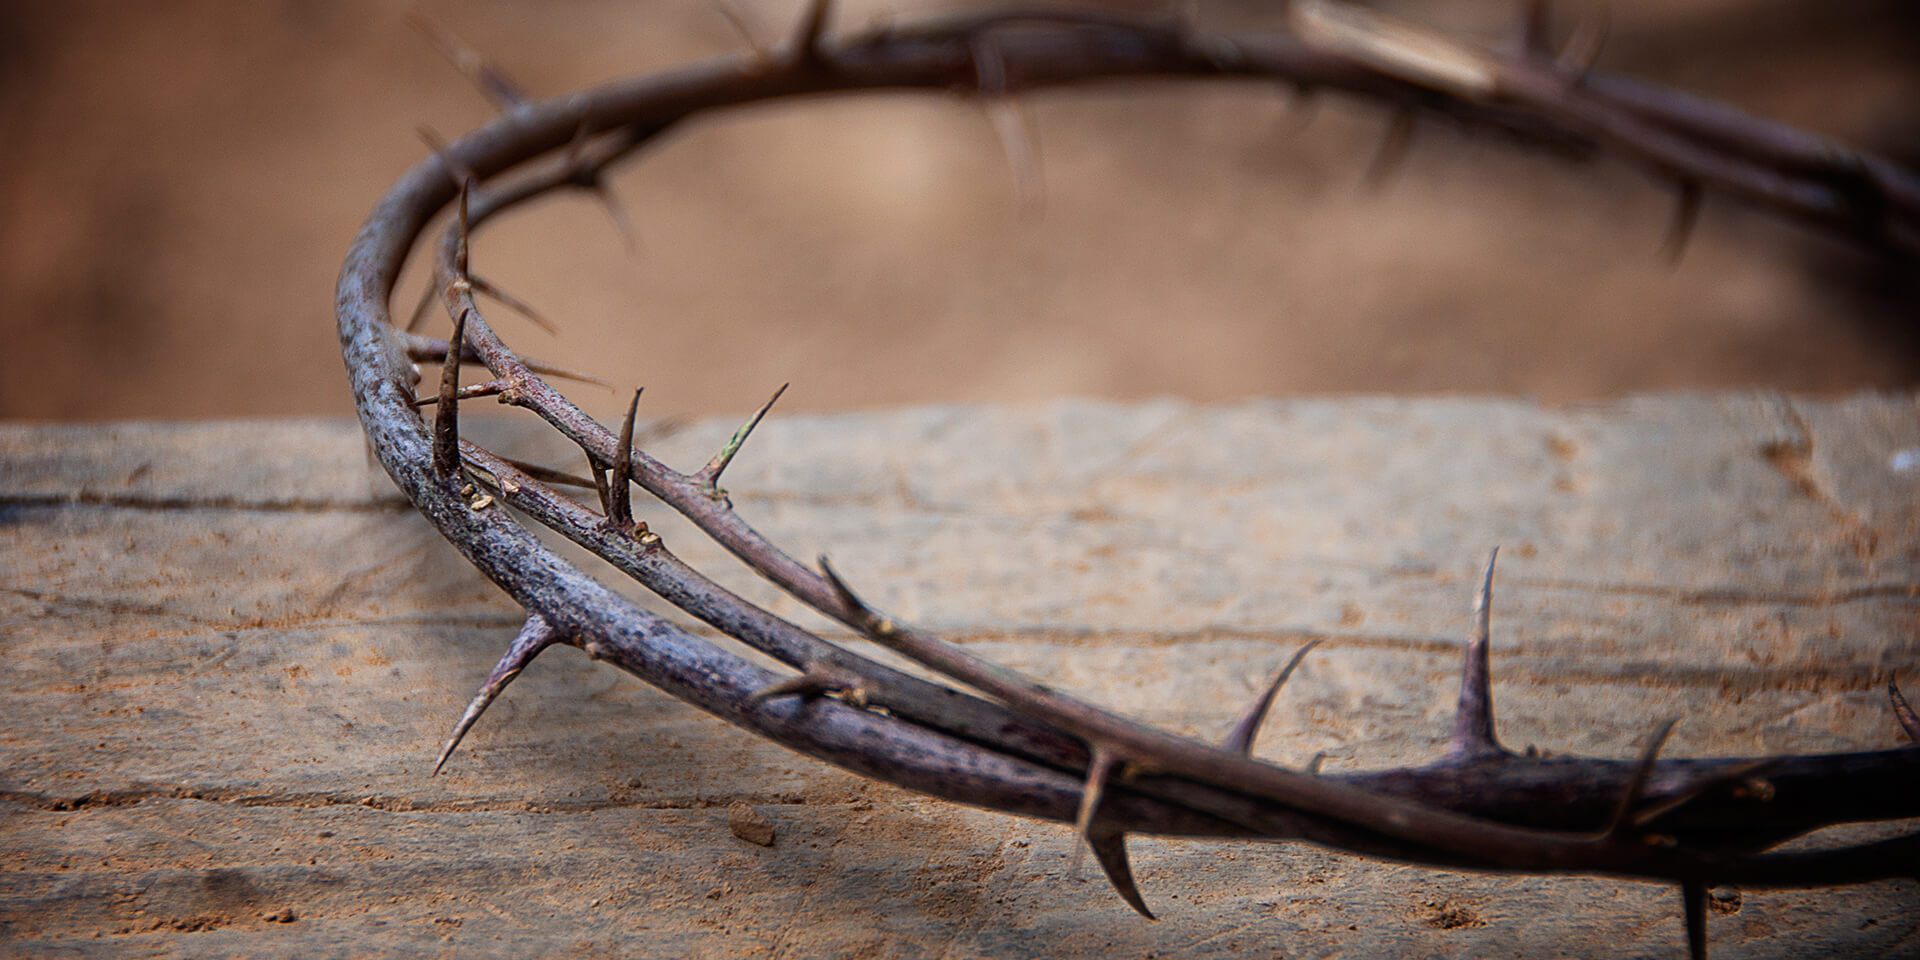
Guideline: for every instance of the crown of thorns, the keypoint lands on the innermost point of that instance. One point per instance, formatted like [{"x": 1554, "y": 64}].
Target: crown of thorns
[{"x": 1009, "y": 743}]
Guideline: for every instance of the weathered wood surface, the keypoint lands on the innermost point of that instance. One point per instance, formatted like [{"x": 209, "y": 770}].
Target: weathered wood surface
[{"x": 230, "y": 653}]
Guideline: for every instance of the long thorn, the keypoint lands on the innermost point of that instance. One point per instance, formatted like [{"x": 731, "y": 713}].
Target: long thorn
[
  {"x": 488, "y": 389},
  {"x": 461, "y": 252},
  {"x": 1393, "y": 149},
  {"x": 446, "y": 419},
  {"x": 1009, "y": 126},
  {"x": 1095, "y": 787},
  {"x": 1693, "y": 897},
  {"x": 1583, "y": 48},
  {"x": 811, "y": 31},
  {"x": 600, "y": 485},
  {"x": 1638, "y": 783},
  {"x": 518, "y": 305},
  {"x": 419, "y": 314},
  {"x": 1240, "y": 739},
  {"x": 1536, "y": 28},
  {"x": 548, "y": 474},
  {"x": 1686, "y": 213},
  {"x": 1903, "y": 711},
  {"x": 710, "y": 474},
  {"x": 619, "y": 506},
  {"x": 1473, "y": 734},
  {"x": 1110, "y": 851},
  {"x": 494, "y": 85},
  {"x": 746, "y": 24},
  {"x": 536, "y": 636},
  {"x": 457, "y": 171}
]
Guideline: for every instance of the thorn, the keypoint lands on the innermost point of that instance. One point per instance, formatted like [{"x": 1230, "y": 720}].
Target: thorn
[
  {"x": 1313, "y": 765},
  {"x": 1693, "y": 894},
  {"x": 1638, "y": 782},
  {"x": 1240, "y": 739},
  {"x": 503, "y": 93},
  {"x": 1686, "y": 212},
  {"x": 1536, "y": 28},
  {"x": 461, "y": 252},
  {"x": 1110, "y": 851},
  {"x": 811, "y": 30},
  {"x": 457, "y": 171},
  {"x": 600, "y": 485},
  {"x": 710, "y": 474},
  {"x": 536, "y": 636},
  {"x": 1473, "y": 734},
  {"x": 446, "y": 419},
  {"x": 419, "y": 314},
  {"x": 1098, "y": 772},
  {"x": 549, "y": 370},
  {"x": 548, "y": 474},
  {"x": 747, "y": 25},
  {"x": 1301, "y": 108},
  {"x": 619, "y": 506},
  {"x": 1583, "y": 48},
  {"x": 488, "y": 389},
  {"x": 1393, "y": 149},
  {"x": 591, "y": 177},
  {"x": 806, "y": 685},
  {"x": 1904, "y": 712},
  {"x": 1010, "y": 126},
  {"x": 815, "y": 679},
  {"x": 856, "y": 612},
  {"x": 514, "y": 303}
]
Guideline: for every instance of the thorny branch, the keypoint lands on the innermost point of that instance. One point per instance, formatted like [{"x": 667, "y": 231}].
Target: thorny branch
[{"x": 1023, "y": 747}]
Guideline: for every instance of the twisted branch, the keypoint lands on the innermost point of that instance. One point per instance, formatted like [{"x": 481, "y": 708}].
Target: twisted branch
[{"x": 1024, "y": 748}]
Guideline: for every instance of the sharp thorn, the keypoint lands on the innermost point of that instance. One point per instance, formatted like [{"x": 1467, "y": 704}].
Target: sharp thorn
[
  {"x": 619, "y": 504},
  {"x": 1393, "y": 149},
  {"x": 1473, "y": 733},
  {"x": 1903, "y": 711},
  {"x": 806, "y": 685},
  {"x": 1583, "y": 48},
  {"x": 536, "y": 636},
  {"x": 1099, "y": 770},
  {"x": 488, "y": 389},
  {"x": 514, "y": 303},
  {"x": 710, "y": 474},
  {"x": 1686, "y": 213},
  {"x": 549, "y": 370},
  {"x": 548, "y": 474},
  {"x": 420, "y": 309},
  {"x": 1110, "y": 851},
  {"x": 1009, "y": 126},
  {"x": 1536, "y": 28},
  {"x": 1637, "y": 784},
  {"x": 854, "y": 610},
  {"x": 461, "y": 252},
  {"x": 622, "y": 221},
  {"x": 808, "y": 36},
  {"x": 503, "y": 93},
  {"x": 446, "y": 418},
  {"x": 746, "y": 24},
  {"x": 1693, "y": 895},
  {"x": 600, "y": 485},
  {"x": 457, "y": 171},
  {"x": 1240, "y": 739}
]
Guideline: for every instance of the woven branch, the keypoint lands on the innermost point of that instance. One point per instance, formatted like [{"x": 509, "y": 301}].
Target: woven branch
[{"x": 1012, "y": 744}]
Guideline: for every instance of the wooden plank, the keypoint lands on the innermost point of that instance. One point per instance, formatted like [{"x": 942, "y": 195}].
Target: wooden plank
[{"x": 231, "y": 653}]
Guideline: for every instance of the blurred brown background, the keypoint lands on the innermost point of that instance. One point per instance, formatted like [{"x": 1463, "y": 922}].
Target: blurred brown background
[{"x": 179, "y": 181}]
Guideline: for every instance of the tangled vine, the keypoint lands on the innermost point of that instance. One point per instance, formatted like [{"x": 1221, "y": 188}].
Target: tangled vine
[{"x": 1006, "y": 742}]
